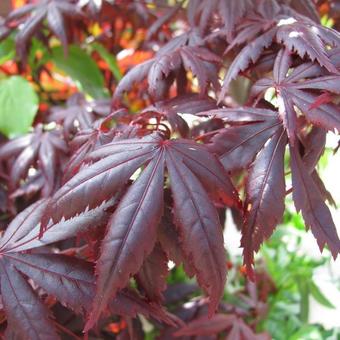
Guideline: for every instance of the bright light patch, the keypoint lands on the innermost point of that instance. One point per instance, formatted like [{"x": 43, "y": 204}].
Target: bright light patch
[
  {"x": 270, "y": 96},
  {"x": 287, "y": 21},
  {"x": 50, "y": 126},
  {"x": 295, "y": 34},
  {"x": 171, "y": 264},
  {"x": 32, "y": 172},
  {"x": 189, "y": 304},
  {"x": 136, "y": 174},
  {"x": 125, "y": 53}
]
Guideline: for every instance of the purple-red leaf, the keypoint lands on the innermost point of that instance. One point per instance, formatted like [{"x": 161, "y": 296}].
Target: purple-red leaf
[
  {"x": 265, "y": 189},
  {"x": 102, "y": 180},
  {"x": 236, "y": 328},
  {"x": 152, "y": 275},
  {"x": 42, "y": 150},
  {"x": 296, "y": 92},
  {"x": 131, "y": 235},
  {"x": 250, "y": 53},
  {"x": 70, "y": 280},
  {"x": 199, "y": 228},
  {"x": 26, "y": 314},
  {"x": 305, "y": 38},
  {"x": 308, "y": 200},
  {"x": 24, "y": 232},
  {"x": 33, "y": 16},
  {"x": 183, "y": 52},
  {"x": 129, "y": 303},
  {"x": 207, "y": 326},
  {"x": 207, "y": 169},
  {"x": 238, "y": 144}
]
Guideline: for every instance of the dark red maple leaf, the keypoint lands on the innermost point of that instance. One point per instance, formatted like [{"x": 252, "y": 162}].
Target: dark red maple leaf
[
  {"x": 249, "y": 130},
  {"x": 265, "y": 185},
  {"x": 162, "y": 20},
  {"x": 126, "y": 194},
  {"x": 88, "y": 140},
  {"x": 279, "y": 24},
  {"x": 129, "y": 303},
  {"x": 305, "y": 7},
  {"x": 79, "y": 113},
  {"x": 186, "y": 52},
  {"x": 230, "y": 12},
  {"x": 43, "y": 150},
  {"x": 308, "y": 199},
  {"x": 258, "y": 135},
  {"x": 70, "y": 280},
  {"x": 152, "y": 275},
  {"x": 237, "y": 329},
  {"x": 32, "y": 16},
  {"x": 194, "y": 174},
  {"x": 295, "y": 92}
]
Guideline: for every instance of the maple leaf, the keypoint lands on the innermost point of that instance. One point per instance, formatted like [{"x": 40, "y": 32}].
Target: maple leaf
[
  {"x": 265, "y": 185},
  {"x": 236, "y": 328},
  {"x": 313, "y": 147},
  {"x": 152, "y": 275},
  {"x": 42, "y": 150},
  {"x": 295, "y": 90},
  {"x": 70, "y": 280},
  {"x": 82, "y": 144},
  {"x": 129, "y": 302},
  {"x": 259, "y": 136},
  {"x": 184, "y": 51},
  {"x": 297, "y": 33},
  {"x": 79, "y": 113},
  {"x": 162, "y": 20},
  {"x": 169, "y": 239},
  {"x": 194, "y": 174},
  {"x": 199, "y": 13},
  {"x": 178, "y": 292},
  {"x": 86, "y": 141},
  {"x": 249, "y": 130},
  {"x": 26, "y": 315},
  {"x": 307, "y": 8},
  {"x": 33, "y": 16},
  {"x": 308, "y": 199}
]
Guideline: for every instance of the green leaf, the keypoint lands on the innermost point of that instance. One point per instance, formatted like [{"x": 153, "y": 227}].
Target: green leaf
[
  {"x": 303, "y": 287},
  {"x": 82, "y": 69},
  {"x": 110, "y": 60},
  {"x": 18, "y": 106},
  {"x": 319, "y": 297},
  {"x": 7, "y": 50},
  {"x": 309, "y": 332}
]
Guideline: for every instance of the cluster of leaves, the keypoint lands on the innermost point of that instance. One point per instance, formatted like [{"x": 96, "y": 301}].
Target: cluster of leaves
[{"x": 99, "y": 200}]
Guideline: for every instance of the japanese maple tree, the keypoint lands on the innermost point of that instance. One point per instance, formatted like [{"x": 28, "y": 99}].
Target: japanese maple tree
[{"x": 177, "y": 112}]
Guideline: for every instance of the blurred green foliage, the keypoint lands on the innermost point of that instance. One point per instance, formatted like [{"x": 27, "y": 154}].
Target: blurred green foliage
[{"x": 292, "y": 272}]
